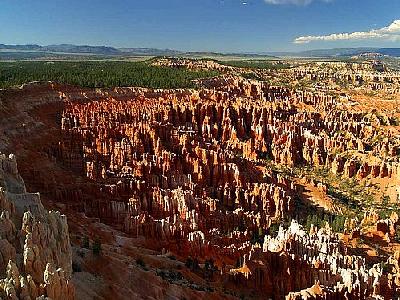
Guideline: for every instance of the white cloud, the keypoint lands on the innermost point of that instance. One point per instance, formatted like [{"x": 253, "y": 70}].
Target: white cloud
[
  {"x": 391, "y": 32},
  {"x": 296, "y": 2}
]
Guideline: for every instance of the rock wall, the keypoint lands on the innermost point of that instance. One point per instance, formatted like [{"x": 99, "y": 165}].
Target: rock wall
[{"x": 35, "y": 252}]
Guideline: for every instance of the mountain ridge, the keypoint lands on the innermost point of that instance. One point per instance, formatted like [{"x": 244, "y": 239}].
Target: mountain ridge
[{"x": 113, "y": 51}]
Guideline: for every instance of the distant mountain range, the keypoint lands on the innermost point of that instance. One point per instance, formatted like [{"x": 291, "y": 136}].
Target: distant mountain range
[
  {"x": 111, "y": 51},
  {"x": 85, "y": 49},
  {"x": 340, "y": 52}
]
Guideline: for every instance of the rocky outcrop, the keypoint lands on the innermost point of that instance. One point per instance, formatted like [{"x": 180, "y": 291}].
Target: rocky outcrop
[
  {"x": 335, "y": 273},
  {"x": 35, "y": 252},
  {"x": 191, "y": 171}
]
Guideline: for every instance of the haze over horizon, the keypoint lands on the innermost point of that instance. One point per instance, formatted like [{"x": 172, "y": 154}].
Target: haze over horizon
[{"x": 209, "y": 25}]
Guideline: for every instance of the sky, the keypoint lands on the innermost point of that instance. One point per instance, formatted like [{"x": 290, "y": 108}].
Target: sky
[{"x": 203, "y": 25}]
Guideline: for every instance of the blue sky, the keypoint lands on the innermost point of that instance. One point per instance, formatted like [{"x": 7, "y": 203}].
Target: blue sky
[{"x": 202, "y": 25}]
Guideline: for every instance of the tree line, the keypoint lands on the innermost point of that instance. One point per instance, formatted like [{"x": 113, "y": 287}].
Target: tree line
[{"x": 99, "y": 74}]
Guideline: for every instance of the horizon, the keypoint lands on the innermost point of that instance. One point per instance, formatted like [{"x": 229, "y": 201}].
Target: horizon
[
  {"x": 200, "y": 51},
  {"x": 223, "y": 26}
]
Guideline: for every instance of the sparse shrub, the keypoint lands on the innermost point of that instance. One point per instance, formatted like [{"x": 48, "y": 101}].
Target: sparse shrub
[
  {"x": 209, "y": 267},
  {"x": 169, "y": 275},
  {"x": 140, "y": 262},
  {"x": 96, "y": 248},
  {"x": 238, "y": 263},
  {"x": 257, "y": 236},
  {"x": 397, "y": 236},
  {"x": 80, "y": 253},
  {"x": 385, "y": 200},
  {"x": 338, "y": 223},
  {"x": 385, "y": 267},
  {"x": 85, "y": 243},
  {"x": 192, "y": 264},
  {"x": 273, "y": 229},
  {"x": 316, "y": 220},
  {"x": 76, "y": 268}
]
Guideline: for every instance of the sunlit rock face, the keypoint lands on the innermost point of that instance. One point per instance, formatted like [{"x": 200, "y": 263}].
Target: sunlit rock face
[
  {"x": 36, "y": 256},
  {"x": 179, "y": 165},
  {"x": 190, "y": 171},
  {"x": 203, "y": 174}
]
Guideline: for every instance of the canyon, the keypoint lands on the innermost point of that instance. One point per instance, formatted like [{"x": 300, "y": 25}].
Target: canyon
[{"x": 206, "y": 192}]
